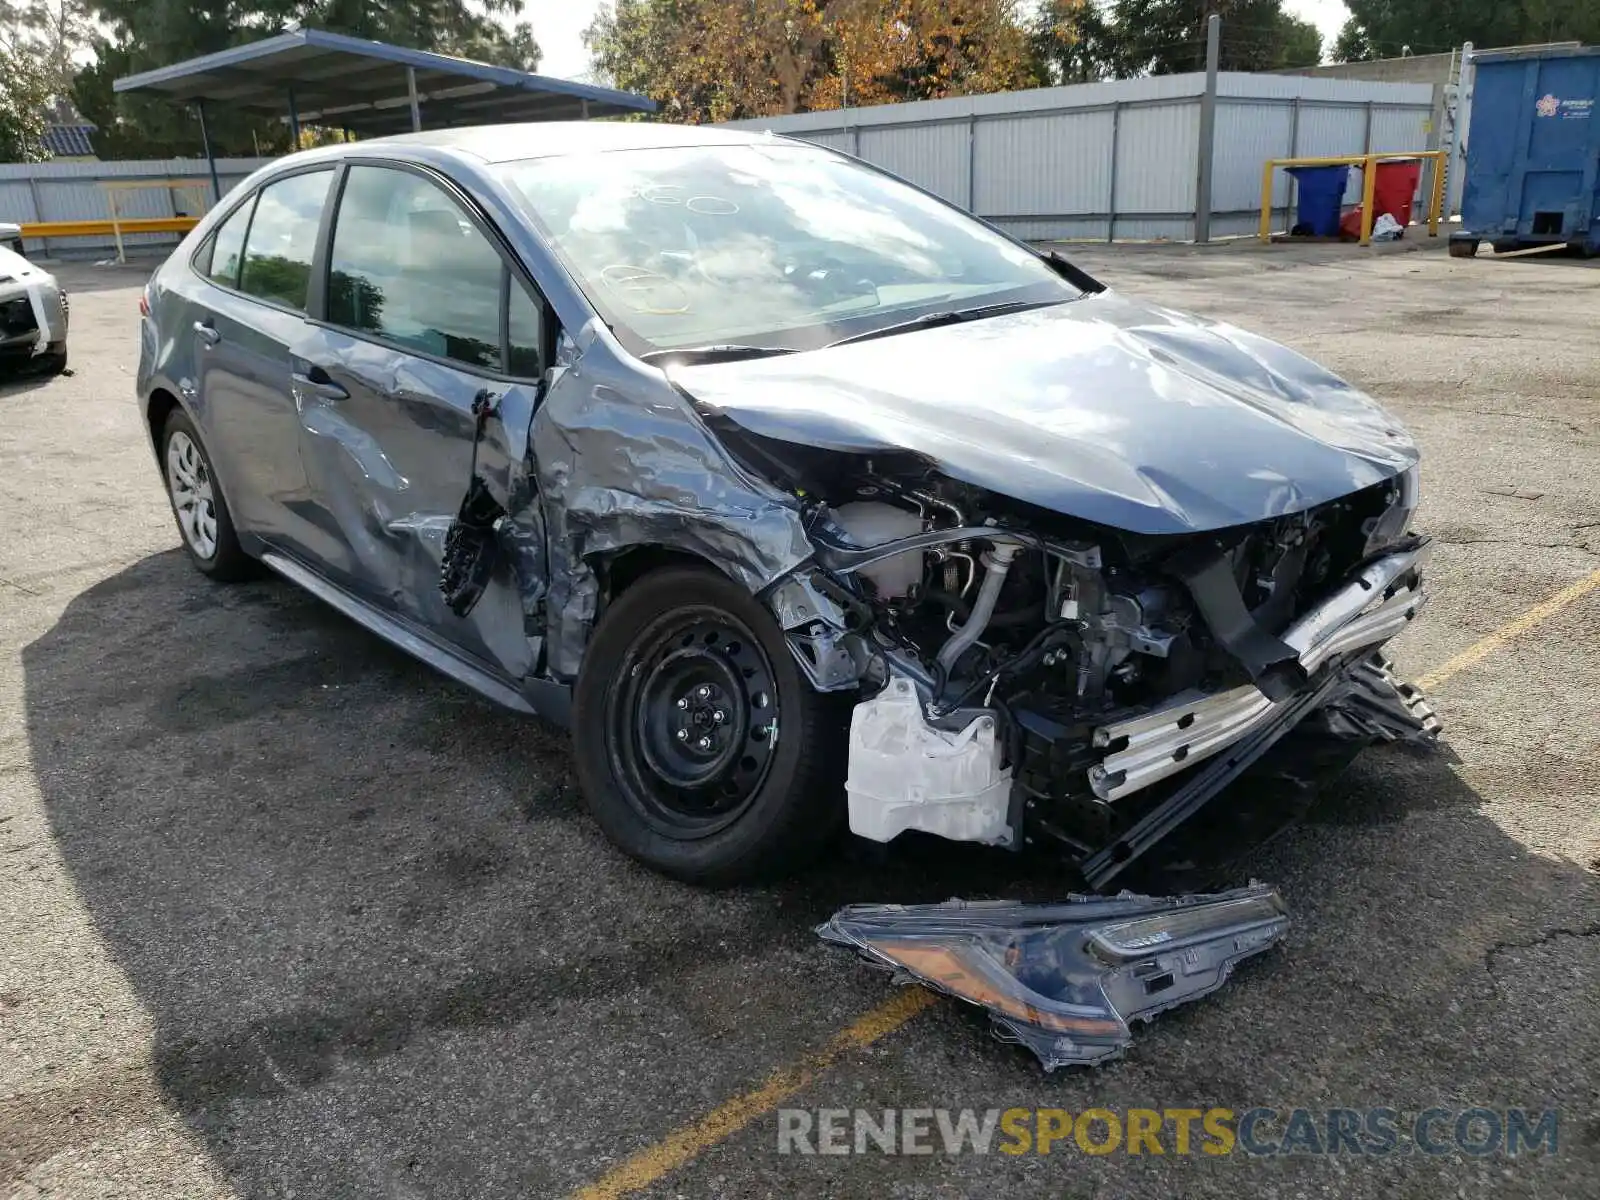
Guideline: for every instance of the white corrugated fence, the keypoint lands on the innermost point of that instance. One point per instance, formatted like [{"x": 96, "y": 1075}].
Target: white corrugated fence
[{"x": 1119, "y": 160}]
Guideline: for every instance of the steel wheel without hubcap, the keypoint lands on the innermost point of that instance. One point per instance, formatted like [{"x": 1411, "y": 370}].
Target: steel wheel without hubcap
[
  {"x": 189, "y": 483},
  {"x": 692, "y": 722}
]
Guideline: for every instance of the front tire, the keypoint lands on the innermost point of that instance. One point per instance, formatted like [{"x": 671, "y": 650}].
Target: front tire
[
  {"x": 701, "y": 749},
  {"x": 53, "y": 361},
  {"x": 197, "y": 503}
]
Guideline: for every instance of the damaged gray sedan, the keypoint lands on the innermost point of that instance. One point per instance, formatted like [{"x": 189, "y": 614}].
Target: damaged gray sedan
[{"x": 799, "y": 494}]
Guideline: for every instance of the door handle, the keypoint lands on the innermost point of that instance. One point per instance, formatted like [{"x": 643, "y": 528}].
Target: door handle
[
  {"x": 324, "y": 389},
  {"x": 208, "y": 332}
]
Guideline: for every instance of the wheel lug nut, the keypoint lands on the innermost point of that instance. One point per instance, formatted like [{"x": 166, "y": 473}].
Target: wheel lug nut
[
  {"x": 705, "y": 692},
  {"x": 705, "y": 743},
  {"x": 718, "y": 716},
  {"x": 683, "y": 735},
  {"x": 683, "y": 702}
]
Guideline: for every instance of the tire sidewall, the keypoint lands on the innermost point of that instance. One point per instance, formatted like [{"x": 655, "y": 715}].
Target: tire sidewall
[{"x": 779, "y": 810}]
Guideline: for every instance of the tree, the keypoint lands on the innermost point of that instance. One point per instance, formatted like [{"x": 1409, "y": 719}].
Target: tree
[
  {"x": 54, "y": 31},
  {"x": 1161, "y": 37},
  {"x": 1072, "y": 42},
  {"x": 1386, "y": 28},
  {"x": 959, "y": 47},
  {"x": 1353, "y": 45},
  {"x": 712, "y": 60},
  {"x": 38, "y": 39},
  {"x": 1299, "y": 43},
  {"x": 1077, "y": 40},
  {"x": 24, "y": 92}
]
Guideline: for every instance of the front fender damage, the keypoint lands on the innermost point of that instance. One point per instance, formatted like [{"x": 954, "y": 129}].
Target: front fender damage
[{"x": 617, "y": 473}]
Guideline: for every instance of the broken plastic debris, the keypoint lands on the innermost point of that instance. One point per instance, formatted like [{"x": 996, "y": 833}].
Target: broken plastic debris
[{"x": 1067, "y": 980}]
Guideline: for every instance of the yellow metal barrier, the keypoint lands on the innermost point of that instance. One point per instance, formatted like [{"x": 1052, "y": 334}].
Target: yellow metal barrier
[
  {"x": 1369, "y": 181},
  {"x": 63, "y": 229},
  {"x": 117, "y": 225},
  {"x": 200, "y": 189}
]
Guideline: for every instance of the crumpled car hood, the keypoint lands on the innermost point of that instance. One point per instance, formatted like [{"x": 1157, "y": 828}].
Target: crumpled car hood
[{"x": 1106, "y": 408}]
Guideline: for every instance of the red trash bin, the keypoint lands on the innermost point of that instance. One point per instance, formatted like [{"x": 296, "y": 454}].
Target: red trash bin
[
  {"x": 1392, "y": 193},
  {"x": 1396, "y": 188}
]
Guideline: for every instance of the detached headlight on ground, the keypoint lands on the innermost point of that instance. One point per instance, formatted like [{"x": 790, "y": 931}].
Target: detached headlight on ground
[{"x": 1067, "y": 980}]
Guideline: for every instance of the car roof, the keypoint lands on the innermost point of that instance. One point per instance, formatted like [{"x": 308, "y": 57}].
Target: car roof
[{"x": 554, "y": 139}]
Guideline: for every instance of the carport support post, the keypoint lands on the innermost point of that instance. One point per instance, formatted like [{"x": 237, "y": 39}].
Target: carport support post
[
  {"x": 416, "y": 107},
  {"x": 211, "y": 158},
  {"x": 1208, "y": 131},
  {"x": 294, "y": 120}
]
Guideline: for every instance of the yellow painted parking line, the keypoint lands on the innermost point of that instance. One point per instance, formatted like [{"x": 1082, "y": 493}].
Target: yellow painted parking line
[
  {"x": 660, "y": 1159},
  {"x": 682, "y": 1145},
  {"x": 1511, "y": 630}
]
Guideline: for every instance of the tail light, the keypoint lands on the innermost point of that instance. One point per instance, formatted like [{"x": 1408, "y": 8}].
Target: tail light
[{"x": 144, "y": 304}]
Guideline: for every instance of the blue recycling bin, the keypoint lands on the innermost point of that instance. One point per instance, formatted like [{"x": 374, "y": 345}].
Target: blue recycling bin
[{"x": 1321, "y": 198}]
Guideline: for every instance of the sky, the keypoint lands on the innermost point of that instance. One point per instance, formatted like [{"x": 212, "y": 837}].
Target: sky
[
  {"x": 1328, "y": 16},
  {"x": 559, "y": 26}
]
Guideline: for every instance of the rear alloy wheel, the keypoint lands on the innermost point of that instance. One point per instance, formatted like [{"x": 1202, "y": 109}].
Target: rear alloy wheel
[
  {"x": 702, "y": 751},
  {"x": 189, "y": 482},
  {"x": 197, "y": 503}
]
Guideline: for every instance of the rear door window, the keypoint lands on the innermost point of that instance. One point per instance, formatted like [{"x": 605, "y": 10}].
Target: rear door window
[
  {"x": 283, "y": 239},
  {"x": 407, "y": 265}
]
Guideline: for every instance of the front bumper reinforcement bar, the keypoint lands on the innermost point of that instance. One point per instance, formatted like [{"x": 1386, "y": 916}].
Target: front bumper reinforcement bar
[
  {"x": 1367, "y": 611},
  {"x": 1104, "y": 865}
]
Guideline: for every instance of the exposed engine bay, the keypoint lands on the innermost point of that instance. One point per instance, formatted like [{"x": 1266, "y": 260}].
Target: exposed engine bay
[{"x": 1030, "y": 676}]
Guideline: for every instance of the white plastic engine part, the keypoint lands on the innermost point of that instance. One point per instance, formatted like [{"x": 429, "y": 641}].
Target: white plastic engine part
[
  {"x": 905, "y": 774},
  {"x": 870, "y": 523}
]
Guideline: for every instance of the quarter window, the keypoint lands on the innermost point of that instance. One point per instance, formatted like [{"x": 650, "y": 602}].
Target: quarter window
[
  {"x": 525, "y": 333},
  {"x": 227, "y": 246},
  {"x": 283, "y": 239},
  {"x": 409, "y": 266}
]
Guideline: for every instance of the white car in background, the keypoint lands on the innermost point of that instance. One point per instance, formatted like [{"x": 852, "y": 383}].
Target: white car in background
[
  {"x": 33, "y": 318},
  {"x": 10, "y": 237}
]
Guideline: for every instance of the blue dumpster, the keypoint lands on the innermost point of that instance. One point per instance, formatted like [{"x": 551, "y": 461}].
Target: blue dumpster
[
  {"x": 1321, "y": 196},
  {"x": 1533, "y": 152}
]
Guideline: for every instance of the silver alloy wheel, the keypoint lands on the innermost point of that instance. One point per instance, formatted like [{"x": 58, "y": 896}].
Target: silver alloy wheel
[{"x": 190, "y": 485}]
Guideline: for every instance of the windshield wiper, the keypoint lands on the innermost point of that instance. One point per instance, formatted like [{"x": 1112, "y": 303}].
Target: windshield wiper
[
  {"x": 711, "y": 354},
  {"x": 945, "y": 316}
]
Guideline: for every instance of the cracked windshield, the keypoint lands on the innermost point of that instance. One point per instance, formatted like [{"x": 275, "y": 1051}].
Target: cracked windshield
[{"x": 783, "y": 246}]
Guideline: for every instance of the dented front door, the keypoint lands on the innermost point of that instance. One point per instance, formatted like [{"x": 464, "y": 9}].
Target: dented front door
[
  {"x": 414, "y": 334},
  {"x": 389, "y": 460}
]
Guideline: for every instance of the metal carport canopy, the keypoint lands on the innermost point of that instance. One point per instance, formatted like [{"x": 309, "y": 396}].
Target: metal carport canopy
[{"x": 373, "y": 88}]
